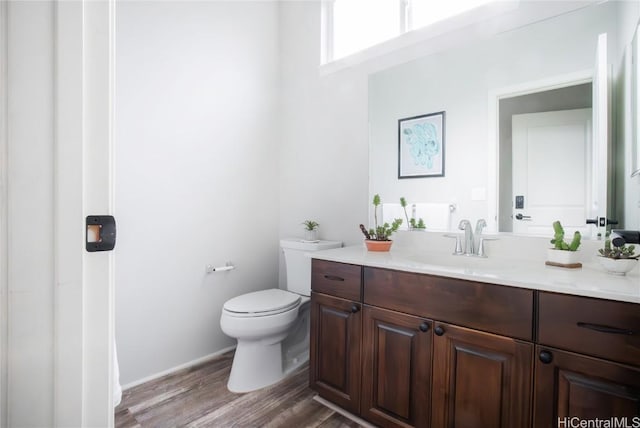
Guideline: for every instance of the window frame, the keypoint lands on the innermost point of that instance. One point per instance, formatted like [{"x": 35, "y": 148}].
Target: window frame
[{"x": 408, "y": 35}]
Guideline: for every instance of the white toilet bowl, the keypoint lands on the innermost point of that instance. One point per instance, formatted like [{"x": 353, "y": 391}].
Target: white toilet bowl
[
  {"x": 272, "y": 326},
  {"x": 258, "y": 359}
]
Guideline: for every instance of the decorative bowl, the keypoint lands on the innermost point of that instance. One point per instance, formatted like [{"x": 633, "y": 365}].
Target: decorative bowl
[
  {"x": 617, "y": 266},
  {"x": 373, "y": 245}
]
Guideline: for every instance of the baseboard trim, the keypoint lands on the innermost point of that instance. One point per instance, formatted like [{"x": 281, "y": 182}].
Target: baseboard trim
[
  {"x": 343, "y": 412},
  {"x": 179, "y": 367}
]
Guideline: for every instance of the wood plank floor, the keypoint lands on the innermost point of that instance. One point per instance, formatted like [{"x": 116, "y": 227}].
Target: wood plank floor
[{"x": 198, "y": 397}]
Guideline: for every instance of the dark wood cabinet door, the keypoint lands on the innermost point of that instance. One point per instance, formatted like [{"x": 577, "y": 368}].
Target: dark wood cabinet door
[
  {"x": 336, "y": 335},
  {"x": 396, "y": 368},
  {"x": 569, "y": 385},
  {"x": 480, "y": 379}
]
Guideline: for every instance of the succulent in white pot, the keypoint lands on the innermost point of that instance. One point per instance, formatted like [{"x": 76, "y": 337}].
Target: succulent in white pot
[
  {"x": 564, "y": 253},
  {"x": 310, "y": 230},
  {"x": 617, "y": 260}
]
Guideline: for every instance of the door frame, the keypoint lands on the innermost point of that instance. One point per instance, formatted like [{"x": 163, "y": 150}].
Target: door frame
[
  {"x": 493, "y": 152},
  {"x": 83, "y": 299},
  {"x": 3, "y": 213}
]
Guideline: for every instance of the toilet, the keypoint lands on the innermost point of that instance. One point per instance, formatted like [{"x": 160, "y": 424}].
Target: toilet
[{"x": 272, "y": 326}]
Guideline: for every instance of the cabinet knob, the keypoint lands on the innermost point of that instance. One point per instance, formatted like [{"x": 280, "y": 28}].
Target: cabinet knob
[
  {"x": 546, "y": 357},
  {"x": 355, "y": 308},
  {"x": 424, "y": 326},
  {"x": 439, "y": 330}
]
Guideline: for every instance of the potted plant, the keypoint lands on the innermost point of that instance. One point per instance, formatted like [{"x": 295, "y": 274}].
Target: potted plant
[
  {"x": 617, "y": 260},
  {"x": 377, "y": 239},
  {"x": 310, "y": 230},
  {"x": 412, "y": 224},
  {"x": 563, "y": 253}
]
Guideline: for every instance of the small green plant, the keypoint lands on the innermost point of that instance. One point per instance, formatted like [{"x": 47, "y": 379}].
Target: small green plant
[
  {"x": 310, "y": 224},
  {"x": 413, "y": 224},
  {"x": 380, "y": 232},
  {"x": 558, "y": 238},
  {"x": 624, "y": 252}
]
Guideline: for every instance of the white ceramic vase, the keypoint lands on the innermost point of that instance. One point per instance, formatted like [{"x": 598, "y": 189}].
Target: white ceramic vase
[
  {"x": 563, "y": 257},
  {"x": 311, "y": 235}
]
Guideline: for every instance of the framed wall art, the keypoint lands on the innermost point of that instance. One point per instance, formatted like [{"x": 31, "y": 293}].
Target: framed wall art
[{"x": 421, "y": 143}]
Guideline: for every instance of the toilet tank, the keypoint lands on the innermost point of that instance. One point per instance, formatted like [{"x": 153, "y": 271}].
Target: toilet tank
[{"x": 298, "y": 262}]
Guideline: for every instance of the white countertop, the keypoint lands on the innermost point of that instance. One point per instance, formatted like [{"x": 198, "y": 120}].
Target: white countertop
[{"x": 590, "y": 280}]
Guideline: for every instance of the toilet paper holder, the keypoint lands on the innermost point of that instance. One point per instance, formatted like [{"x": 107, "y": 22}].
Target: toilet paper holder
[{"x": 212, "y": 268}]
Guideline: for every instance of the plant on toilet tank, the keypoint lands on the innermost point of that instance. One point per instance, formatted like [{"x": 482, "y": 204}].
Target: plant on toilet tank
[
  {"x": 377, "y": 238},
  {"x": 310, "y": 230}
]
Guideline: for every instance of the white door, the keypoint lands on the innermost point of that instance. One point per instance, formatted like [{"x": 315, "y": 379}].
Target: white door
[
  {"x": 551, "y": 164},
  {"x": 57, "y": 322}
]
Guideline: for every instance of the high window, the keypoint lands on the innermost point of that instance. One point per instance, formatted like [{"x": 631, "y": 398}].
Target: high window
[{"x": 351, "y": 26}]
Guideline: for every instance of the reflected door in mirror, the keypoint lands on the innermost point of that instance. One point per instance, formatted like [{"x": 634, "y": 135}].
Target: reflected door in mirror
[{"x": 551, "y": 169}]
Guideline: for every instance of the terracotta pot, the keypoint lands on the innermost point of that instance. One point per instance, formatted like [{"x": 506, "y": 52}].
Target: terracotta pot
[{"x": 373, "y": 245}]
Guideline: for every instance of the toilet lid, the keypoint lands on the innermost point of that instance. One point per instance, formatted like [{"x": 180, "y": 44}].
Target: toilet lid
[{"x": 273, "y": 300}]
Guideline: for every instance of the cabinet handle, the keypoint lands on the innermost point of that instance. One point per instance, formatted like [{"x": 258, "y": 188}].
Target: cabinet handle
[
  {"x": 606, "y": 329},
  {"x": 439, "y": 331},
  {"x": 333, "y": 278},
  {"x": 546, "y": 357},
  {"x": 355, "y": 308},
  {"x": 424, "y": 326}
]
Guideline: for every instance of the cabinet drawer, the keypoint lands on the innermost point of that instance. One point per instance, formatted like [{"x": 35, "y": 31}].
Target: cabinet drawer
[
  {"x": 494, "y": 308},
  {"x": 602, "y": 328},
  {"x": 337, "y": 279}
]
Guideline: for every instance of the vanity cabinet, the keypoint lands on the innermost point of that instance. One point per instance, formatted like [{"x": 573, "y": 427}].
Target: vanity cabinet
[
  {"x": 480, "y": 379},
  {"x": 570, "y": 385},
  {"x": 336, "y": 333},
  {"x": 588, "y": 359},
  {"x": 403, "y": 349},
  {"x": 433, "y": 352},
  {"x": 396, "y": 368}
]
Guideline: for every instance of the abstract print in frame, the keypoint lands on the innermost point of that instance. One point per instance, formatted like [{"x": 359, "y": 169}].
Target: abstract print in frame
[{"x": 421, "y": 146}]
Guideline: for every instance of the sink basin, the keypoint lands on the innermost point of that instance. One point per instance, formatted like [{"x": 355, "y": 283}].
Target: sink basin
[{"x": 469, "y": 264}]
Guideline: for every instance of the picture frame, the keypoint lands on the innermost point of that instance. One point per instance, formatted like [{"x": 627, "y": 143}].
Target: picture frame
[{"x": 421, "y": 146}]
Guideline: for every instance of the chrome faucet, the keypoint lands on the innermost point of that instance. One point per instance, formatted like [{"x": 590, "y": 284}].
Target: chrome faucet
[
  {"x": 473, "y": 243},
  {"x": 468, "y": 237}
]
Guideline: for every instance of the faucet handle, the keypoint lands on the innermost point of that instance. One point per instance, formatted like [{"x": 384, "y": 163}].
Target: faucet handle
[
  {"x": 458, "y": 249},
  {"x": 480, "y": 252}
]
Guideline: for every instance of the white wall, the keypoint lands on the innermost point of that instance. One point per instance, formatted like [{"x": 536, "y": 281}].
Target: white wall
[
  {"x": 459, "y": 82},
  {"x": 196, "y": 173},
  {"x": 324, "y": 142}
]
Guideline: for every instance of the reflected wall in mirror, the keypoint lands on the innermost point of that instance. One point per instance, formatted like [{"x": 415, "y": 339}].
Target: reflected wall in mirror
[{"x": 460, "y": 81}]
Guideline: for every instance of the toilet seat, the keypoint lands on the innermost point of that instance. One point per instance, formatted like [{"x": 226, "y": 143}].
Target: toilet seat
[{"x": 262, "y": 303}]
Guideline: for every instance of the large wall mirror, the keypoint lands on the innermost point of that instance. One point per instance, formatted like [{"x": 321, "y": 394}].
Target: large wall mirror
[{"x": 521, "y": 146}]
